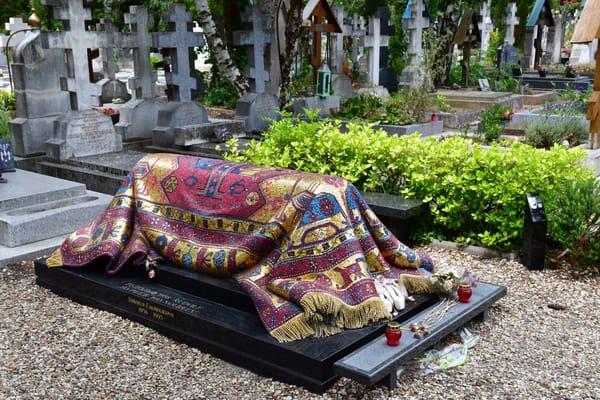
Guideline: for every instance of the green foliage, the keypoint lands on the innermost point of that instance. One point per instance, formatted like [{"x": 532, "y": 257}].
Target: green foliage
[
  {"x": 547, "y": 133},
  {"x": 476, "y": 195},
  {"x": 220, "y": 92},
  {"x": 7, "y": 109},
  {"x": 574, "y": 220},
  {"x": 492, "y": 121},
  {"x": 508, "y": 84}
]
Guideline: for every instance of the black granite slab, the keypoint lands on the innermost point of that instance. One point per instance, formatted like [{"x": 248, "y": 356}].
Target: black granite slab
[
  {"x": 377, "y": 362},
  {"x": 214, "y": 315}
]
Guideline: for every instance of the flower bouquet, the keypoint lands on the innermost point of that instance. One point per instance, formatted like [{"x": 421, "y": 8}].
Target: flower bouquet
[{"x": 444, "y": 283}]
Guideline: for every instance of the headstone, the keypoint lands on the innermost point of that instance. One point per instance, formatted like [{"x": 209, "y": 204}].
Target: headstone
[
  {"x": 379, "y": 35},
  {"x": 341, "y": 85},
  {"x": 484, "y": 85},
  {"x": 467, "y": 35},
  {"x": 338, "y": 56},
  {"x": 485, "y": 26},
  {"x": 82, "y": 133},
  {"x": 76, "y": 40},
  {"x": 326, "y": 105},
  {"x": 253, "y": 108},
  {"x": 38, "y": 93},
  {"x": 508, "y": 54},
  {"x": 258, "y": 41},
  {"x": 138, "y": 118},
  {"x": 174, "y": 115},
  {"x": 510, "y": 21},
  {"x": 179, "y": 40},
  {"x": 359, "y": 30},
  {"x": 557, "y": 40},
  {"x": 536, "y": 29},
  {"x": 140, "y": 40},
  {"x": 415, "y": 19}
]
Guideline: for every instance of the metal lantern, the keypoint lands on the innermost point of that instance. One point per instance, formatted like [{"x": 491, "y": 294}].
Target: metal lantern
[{"x": 324, "y": 81}]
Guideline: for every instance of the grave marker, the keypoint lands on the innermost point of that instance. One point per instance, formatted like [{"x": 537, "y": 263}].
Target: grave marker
[
  {"x": 173, "y": 115},
  {"x": 178, "y": 41},
  {"x": 258, "y": 41},
  {"x": 485, "y": 26},
  {"x": 540, "y": 21},
  {"x": 82, "y": 133},
  {"x": 75, "y": 40},
  {"x": 140, "y": 40},
  {"x": 510, "y": 21},
  {"x": 416, "y": 18},
  {"x": 377, "y": 39}
]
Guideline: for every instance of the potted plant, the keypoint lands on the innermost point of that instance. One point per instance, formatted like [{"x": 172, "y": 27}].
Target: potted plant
[
  {"x": 515, "y": 69},
  {"x": 542, "y": 71}
]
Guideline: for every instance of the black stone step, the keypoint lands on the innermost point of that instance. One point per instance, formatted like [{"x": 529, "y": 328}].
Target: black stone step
[{"x": 215, "y": 316}]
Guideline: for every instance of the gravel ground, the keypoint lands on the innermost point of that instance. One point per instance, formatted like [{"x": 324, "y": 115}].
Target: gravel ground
[{"x": 541, "y": 342}]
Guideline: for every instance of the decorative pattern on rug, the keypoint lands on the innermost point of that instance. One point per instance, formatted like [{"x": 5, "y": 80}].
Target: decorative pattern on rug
[{"x": 304, "y": 246}]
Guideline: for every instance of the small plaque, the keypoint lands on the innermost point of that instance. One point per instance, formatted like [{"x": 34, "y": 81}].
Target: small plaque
[{"x": 7, "y": 157}]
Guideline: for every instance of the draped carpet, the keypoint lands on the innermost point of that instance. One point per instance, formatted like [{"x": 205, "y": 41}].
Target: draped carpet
[{"x": 304, "y": 246}]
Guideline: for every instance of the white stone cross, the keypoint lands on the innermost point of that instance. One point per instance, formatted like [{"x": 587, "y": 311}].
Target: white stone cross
[
  {"x": 179, "y": 40},
  {"x": 415, "y": 21},
  {"x": 374, "y": 42},
  {"x": 258, "y": 39},
  {"x": 485, "y": 26},
  {"x": 510, "y": 21}
]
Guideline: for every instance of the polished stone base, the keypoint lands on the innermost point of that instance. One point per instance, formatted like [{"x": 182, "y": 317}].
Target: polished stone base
[{"x": 214, "y": 315}]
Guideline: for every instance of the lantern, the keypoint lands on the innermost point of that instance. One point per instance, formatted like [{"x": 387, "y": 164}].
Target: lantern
[{"x": 323, "y": 81}]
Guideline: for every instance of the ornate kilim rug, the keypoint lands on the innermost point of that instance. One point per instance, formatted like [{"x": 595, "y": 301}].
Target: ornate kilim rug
[{"x": 304, "y": 246}]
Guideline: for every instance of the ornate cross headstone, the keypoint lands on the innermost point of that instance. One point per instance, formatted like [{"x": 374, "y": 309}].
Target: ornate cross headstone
[
  {"x": 322, "y": 20},
  {"x": 377, "y": 43},
  {"x": 510, "y": 21},
  {"x": 415, "y": 19},
  {"x": 75, "y": 39},
  {"x": 485, "y": 26},
  {"x": 467, "y": 34},
  {"x": 140, "y": 40},
  {"x": 107, "y": 53},
  {"x": 179, "y": 41},
  {"x": 258, "y": 40}
]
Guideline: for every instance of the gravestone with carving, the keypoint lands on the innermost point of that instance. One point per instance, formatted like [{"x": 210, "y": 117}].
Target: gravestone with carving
[{"x": 82, "y": 133}]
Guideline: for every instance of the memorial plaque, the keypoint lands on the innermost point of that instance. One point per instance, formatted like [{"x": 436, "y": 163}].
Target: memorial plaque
[
  {"x": 78, "y": 134},
  {"x": 7, "y": 158}
]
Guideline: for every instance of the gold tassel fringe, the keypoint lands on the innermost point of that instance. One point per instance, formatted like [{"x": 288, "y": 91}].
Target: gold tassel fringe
[
  {"x": 416, "y": 283},
  {"x": 55, "y": 259}
]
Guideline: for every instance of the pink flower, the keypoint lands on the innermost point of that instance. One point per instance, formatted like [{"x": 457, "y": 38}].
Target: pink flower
[{"x": 506, "y": 114}]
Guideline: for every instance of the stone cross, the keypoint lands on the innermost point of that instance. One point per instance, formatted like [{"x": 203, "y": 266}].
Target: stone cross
[
  {"x": 107, "y": 53},
  {"x": 485, "y": 26},
  {"x": 339, "y": 55},
  {"x": 75, "y": 40},
  {"x": 359, "y": 30},
  {"x": 258, "y": 40},
  {"x": 13, "y": 25},
  {"x": 415, "y": 21},
  {"x": 179, "y": 41},
  {"x": 140, "y": 40},
  {"x": 375, "y": 41},
  {"x": 510, "y": 21}
]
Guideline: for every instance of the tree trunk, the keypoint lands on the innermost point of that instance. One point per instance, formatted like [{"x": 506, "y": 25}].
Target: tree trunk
[
  {"x": 218, "y": 48},
  {"x": 293, "y": 26}
]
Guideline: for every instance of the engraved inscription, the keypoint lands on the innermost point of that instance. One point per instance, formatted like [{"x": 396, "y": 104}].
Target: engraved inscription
[{"x": 150, "y": 309}]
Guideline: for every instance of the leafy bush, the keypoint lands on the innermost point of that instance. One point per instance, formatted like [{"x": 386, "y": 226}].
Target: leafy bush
[
  {"x": 493, "y": 119},
  {"x": 7, "y": 108},
  {"x": 545, "y": 133},
  {"x": 476, "y": 195},
  {"x": 574, "y": 220}
]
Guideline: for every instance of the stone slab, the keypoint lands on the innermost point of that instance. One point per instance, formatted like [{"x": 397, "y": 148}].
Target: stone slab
[
  {"x": 377, "y": 362},
  {"x": 214, "y": 315},
  {"x": 26, "y": 188}
]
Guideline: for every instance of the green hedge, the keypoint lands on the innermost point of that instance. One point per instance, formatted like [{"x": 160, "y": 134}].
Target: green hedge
[{"x": 476, "y": 194}]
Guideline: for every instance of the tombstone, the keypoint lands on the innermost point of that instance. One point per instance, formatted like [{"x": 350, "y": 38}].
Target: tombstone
[
  {"x": 179, "y": 40},
  {"x": 510, "y": 21},
  {"x": 137, "y": 118},
  {"x": 174, "y": 115},
  {"x": 338, "y": 56},
  {"x": 76, "y": 40},
  {"x": 415, "y": 19},
  {"x": 359, "y": 31},
  {"x": 253, "y": 108},
  {"x": 82, "y": 133},
  {"x": 377, "y": 43},
  {"x": 484, "y": 85},
  {"x": 110, "y": 87},
  {"x": 140, "y": 40},
  {"x": 341, "y": 85},
  {"x": 541, "y": 17},
  {"x": 556, "y": 40},
  {"x": 507, "y": 55},
  {"x": 467, "y": 35},
  {"x": 258, "y": 41},
  {"x": 39, "y": 96},
  {"x": 485, "y": 25}
]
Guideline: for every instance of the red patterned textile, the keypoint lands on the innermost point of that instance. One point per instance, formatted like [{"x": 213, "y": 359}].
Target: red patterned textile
[{"x": 304, "y": 246}]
